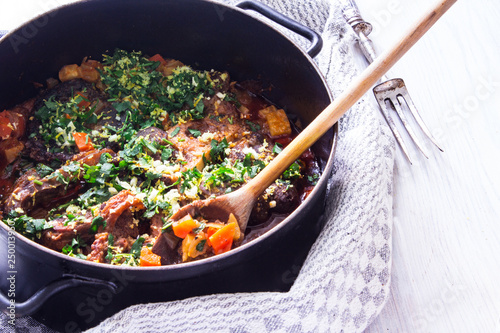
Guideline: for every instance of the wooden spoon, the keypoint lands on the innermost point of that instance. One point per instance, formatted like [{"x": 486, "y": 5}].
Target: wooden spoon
[{"x": 241, "y": 201}]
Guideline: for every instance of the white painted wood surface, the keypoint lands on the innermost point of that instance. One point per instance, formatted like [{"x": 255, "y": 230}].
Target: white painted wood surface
[{"x": 446, "y": 248}]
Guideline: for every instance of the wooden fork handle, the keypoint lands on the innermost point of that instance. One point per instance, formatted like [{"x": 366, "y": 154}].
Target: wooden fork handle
[{"x": 357, "y": 88}]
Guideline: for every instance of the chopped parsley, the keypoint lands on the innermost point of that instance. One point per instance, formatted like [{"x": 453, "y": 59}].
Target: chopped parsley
[
  {"x": 253, "y": 126},
  {"x": 73, "y": 249},
  {"x": 131, "y": 76},
  {"x": 292, "y": 172},
  {"x": 96, "y": 223},
  {"x": 43, "y": 170},
  {"x": 190, "y": 180},
  {"x": 59, "y": 120},
  {"x": 175, "y": 132},
  {"x": 277, "y": 148},
  {"x": 194, "y": 133},
  {"x": 28, "y": 226},
  {"x": 201, "y": 245},
  {"x": 136, "y": 247},
  {"x": 217, "y": 153}
]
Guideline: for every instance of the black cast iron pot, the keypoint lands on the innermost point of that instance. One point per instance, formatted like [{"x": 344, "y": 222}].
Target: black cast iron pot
[{"x": 70, "y": 294}]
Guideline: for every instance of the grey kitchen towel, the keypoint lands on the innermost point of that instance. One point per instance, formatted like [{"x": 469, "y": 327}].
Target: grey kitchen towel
[{"x": 344, "y": 282}]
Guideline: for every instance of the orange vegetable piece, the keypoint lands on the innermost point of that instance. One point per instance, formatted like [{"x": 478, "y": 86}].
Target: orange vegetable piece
[
  {"x": 87, "y": 71},
  {"x": 82, "y": 141},
  {"x": 213, "y": 227},
  {"x": 159, "y": 58},
  {"x": 277, "y": 121},
  {"x": 148, "y": 258},
  {"x": 184, "y": 226},
  {"x": 85, "y": 103},
  {"x": 92, "y": 157},
  {"x": 168, "y": 67},
  {"x": 222, "y": 240},
  {"x": 193, "y": 251}
]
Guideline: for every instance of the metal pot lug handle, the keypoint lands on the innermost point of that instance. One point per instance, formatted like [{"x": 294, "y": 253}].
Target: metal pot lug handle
[
  {"x": 302, "y": 30},
  {"x": 36, "y": 301}
]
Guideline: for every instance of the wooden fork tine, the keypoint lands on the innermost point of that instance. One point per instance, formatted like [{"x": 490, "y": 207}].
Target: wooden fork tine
[{"x": 416, "y": 115}]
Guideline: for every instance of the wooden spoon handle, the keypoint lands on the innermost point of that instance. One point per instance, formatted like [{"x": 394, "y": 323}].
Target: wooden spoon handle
[{"x": 332, "y": 113}]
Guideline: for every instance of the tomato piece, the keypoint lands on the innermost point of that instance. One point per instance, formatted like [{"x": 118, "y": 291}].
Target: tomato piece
[
  {"x": 82, "y": 141},
  {"x": 12, "y": 124},
  {"x": 157, "y": 57},
  {"x": 284, "y": 140},
  {"x": 148, "y": 258}
]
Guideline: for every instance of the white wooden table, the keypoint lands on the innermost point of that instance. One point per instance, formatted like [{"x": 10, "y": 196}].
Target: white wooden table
[{"x": 446, "y": 248}]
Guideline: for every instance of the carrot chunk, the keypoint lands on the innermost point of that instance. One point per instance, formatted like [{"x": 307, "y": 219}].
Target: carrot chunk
[
  {"x": 148, "y": 258},
  {"x": 82, "y": 141},
  {"x": 222, "y": 240},
  {"x": 184, "y": 226},
  {"x": 84, "y": 103}
]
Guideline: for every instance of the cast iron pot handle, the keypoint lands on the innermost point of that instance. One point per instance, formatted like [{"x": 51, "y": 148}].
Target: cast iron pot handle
[
  {"x": 35, "y": 302},
  {"x": 311, "y": 35}
]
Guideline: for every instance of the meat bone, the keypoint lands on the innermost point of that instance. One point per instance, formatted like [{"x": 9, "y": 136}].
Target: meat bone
[{"x": 241, "y": 201}]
